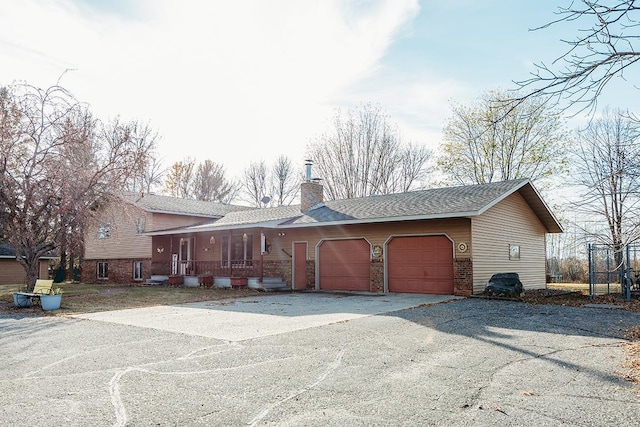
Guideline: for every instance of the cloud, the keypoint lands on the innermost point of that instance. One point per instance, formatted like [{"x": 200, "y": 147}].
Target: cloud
[{"x": 230, "y": 81}]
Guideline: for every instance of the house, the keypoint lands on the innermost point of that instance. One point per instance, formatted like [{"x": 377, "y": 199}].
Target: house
[
  {"x": 118, "y": 251},
  {"x": 440, "y": 241},
  {"x": 12, "y": 272}
]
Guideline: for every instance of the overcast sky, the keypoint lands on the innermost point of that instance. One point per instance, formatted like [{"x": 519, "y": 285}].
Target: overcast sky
[{"x": 238, "y": 81}]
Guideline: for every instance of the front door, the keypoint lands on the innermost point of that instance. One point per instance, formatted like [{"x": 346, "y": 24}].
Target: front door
[
  {"x": 185, "y": 256},
  {"x": 299, "y": 265}
]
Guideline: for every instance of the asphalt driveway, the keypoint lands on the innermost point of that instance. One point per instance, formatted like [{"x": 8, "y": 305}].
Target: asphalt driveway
[
  {"x": 271, "y": 314},
  {"x": 464, "y": 362}
]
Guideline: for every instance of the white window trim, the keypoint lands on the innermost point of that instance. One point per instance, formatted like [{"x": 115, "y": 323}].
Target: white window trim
[
  {"x": 135, "y": 263},
  {"x": 104, "y": 230},
  {"x": 98, "y": 270}
]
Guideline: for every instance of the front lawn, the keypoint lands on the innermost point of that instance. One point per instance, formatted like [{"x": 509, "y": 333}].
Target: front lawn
[{"x": 87, "y": 298}]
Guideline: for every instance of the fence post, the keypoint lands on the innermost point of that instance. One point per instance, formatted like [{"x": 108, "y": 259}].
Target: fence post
[
  {"x": 627, "y": 270},
  {"x": 591, "y": 278}
]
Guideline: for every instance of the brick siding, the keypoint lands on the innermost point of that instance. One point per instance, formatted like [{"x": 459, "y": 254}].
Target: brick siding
[
  {"x": 120, "y": 271},
  {"x": 377, "y": 275},
  {"x": 280, "y": 269},
  {"x": 462, "y": 276}
]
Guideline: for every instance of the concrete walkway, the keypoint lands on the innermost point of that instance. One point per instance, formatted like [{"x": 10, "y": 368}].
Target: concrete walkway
[{"x": 253, "y": 317}]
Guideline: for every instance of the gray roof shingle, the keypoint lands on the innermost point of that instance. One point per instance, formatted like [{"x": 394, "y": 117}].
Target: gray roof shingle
[
  {"x": 451, "y": 202},
  {"x": 7, "y": 251},
  {"x": 439, "y": 202},
  {"x": 175, "y": 205}
]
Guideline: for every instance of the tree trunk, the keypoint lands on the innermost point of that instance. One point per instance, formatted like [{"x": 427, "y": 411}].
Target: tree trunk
[
  {"x": 31, "y": 267},
  {"x": 63, "y": 254},
  {"x": 70, "y": 275}
]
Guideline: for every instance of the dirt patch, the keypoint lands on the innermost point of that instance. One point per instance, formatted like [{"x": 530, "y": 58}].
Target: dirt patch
[
  {"x": 579, "y": 299},
  {"x": 632, "y": 363}
]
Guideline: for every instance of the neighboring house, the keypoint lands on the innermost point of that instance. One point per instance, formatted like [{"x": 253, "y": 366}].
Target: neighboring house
[
  {"x": 12, "y": 272},
  {"x": 118, "y": 251},
  {"x": 440, "y": 241}
]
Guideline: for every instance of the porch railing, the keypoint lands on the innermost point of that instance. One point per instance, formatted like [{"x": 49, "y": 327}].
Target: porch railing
[{"x": 235, "y": 268}]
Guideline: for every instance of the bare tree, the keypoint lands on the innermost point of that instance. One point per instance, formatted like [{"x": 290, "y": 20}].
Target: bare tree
[
  {"x": 275, "y": 186},
  {"x": 254, "y": 180},
  {"x": 607, "y": 170},
  {"x": 603, "y": 49},
  {"x": 57, "y": 164},
  {"x": 150, "y": 177},
  {"x": 489, "y": 141},
  {"x": 179, "y": 179},
  {"x": 363, "y": 154},
  {"x": 210, "y": 183},
  {"x": 284, "y": 181},
  {"x": 204, "y": 181}
]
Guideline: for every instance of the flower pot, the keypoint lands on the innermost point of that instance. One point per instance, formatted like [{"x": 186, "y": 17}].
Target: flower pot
[
  {"x": 20, "y": 300},
  {"x": 206, "y": 280},
  {"x": 175, "y": 280},
  {"x": 50, "y": 302},
  {"x": 238, "y": 282}
]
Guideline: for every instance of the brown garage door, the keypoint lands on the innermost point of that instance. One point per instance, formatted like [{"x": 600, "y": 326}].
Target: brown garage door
[
  {"x": 345, "y": 265},
  {"x": 420, "y": 264}
]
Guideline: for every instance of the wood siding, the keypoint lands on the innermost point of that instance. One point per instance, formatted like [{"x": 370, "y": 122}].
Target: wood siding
[
  {"x": 125, "y": 242},
  {"x": 509, "y": 222},
  {"x": 162, "y": 221},
  {"x": 377, "y": 234}
]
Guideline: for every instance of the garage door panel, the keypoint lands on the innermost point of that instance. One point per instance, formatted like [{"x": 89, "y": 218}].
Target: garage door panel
[
  {"x": 345, "y": 265},
  {"x": 420, "y": 264}
]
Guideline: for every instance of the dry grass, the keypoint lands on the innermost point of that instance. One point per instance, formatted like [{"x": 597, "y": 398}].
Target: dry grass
[
  {"x": 578, "y": 298},
  {"x": 632, "y": 362},
  {"x": 86, "y": 298}
]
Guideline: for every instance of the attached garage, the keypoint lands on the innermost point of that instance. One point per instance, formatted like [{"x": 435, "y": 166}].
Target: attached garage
[
  {"x": 344, "y": 265},
  {"x": 420, "y": 264}
]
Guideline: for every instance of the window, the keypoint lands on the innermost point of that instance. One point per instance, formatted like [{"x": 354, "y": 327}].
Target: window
[
  {"x": 103, "y": 270},
  {"x": 104, "y": 230},
  {"x": 140, "y": 223},
  {"x": 514, "y": 252},
  {"x": 137, "y": 270},
  {"x": 239, "y": 249}
]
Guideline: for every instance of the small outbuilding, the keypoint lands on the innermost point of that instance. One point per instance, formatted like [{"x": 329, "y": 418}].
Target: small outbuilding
[{"x": 12, "y": 272}]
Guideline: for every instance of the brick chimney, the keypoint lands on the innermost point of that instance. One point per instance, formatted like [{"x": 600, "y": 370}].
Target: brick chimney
[{"x": 311, "y": 193}]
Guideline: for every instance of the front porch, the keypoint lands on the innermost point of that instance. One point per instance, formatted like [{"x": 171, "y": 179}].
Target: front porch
[
  {"x": 219, "y": 273},
  {"x": 251, "y": 268}
]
